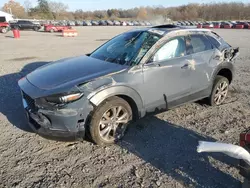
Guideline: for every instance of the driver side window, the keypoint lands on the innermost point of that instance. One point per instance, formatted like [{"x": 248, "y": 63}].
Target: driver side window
[{"x": 172, "y": 49}]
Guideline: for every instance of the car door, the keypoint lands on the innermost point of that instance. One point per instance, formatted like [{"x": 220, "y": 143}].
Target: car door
[
  {"x": 202, "y": 52},
  {"x": 22, "y": 24},
  {"x": 29, "y": 25},
  {"x": 166, "y": 75},
  {"x": 19, "y": 24},
  {"x": 26, "y": 25}
]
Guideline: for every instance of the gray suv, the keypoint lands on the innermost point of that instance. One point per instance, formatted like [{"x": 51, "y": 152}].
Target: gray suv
[{"x": 136, "y": 73}]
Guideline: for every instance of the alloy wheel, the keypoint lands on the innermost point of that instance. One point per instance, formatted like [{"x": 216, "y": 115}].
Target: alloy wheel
[
  {"x": 113, "y": 123},
  {"x": 221, "y": 93}
]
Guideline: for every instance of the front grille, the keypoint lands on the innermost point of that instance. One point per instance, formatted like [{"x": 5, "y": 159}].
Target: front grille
[{"x": 29, "y": 100}]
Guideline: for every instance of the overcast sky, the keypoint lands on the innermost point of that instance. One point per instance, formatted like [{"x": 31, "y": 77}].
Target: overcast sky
[{"x": 124, "y": 4}]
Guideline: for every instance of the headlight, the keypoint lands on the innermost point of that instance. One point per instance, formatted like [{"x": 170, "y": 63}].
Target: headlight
[{"x": 59, "y": 99}]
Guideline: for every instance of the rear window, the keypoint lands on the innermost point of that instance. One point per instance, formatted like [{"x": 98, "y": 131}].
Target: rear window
[
  {"x": 223, "y": 43},
  {"x": 2, "y": 19},
  {"x": 200, "y": 43},
  {"x": 213, "y": 41}
]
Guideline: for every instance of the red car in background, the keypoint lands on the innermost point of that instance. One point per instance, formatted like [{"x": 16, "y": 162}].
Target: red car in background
[
  {"x": 55, "y": 28},
  {"x": 243, "y": 25}
]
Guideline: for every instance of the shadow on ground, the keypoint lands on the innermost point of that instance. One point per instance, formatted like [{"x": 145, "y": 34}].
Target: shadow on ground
[
  {"x": 10, "y": 96},
  {"x": 172, "y": 149}
]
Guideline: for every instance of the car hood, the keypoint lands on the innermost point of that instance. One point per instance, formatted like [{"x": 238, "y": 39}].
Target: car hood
[{"x": 71, "y": 71}]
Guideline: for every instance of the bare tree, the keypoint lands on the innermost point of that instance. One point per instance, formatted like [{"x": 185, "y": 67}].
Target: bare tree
[
  {"x": 27, "y": 5},
  {"x": 14, "y": 8},
  {"x": 57, "y": 8}
]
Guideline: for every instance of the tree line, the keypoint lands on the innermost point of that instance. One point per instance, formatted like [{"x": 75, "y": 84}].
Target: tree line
[{"x": 47, "y": 9}]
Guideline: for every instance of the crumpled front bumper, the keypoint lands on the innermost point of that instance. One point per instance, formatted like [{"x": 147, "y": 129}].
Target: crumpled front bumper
[
  {"x": 62, "y": 124},
  {"x": 41, "y": 125}
]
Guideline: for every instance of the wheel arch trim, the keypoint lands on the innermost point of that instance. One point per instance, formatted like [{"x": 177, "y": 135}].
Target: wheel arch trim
[{"x": 100, "y": 96}]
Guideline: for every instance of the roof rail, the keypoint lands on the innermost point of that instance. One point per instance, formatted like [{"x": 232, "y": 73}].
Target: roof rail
[
  {"x": 166, "y": 26},
  {"x": 171, "y": 26}
]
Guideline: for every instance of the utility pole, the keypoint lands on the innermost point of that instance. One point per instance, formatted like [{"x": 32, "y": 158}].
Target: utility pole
[{"x": 10, "y": 10}]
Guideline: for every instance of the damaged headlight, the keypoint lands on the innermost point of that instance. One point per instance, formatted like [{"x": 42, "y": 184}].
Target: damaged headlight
[{"x": 60, "y": 99}]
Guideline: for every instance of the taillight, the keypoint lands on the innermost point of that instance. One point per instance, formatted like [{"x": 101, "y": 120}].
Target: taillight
[{"x": 244, "y": 139}]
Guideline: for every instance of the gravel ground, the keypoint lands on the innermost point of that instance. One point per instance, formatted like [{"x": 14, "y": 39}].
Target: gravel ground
[{"x": 158, "y": 151}]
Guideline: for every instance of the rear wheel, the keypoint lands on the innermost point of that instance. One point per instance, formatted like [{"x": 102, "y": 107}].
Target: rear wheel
[
  {"x": 219, "y": 91},
  {"x": 35, "y": 28},
  {"x": 109, "y": 121}
]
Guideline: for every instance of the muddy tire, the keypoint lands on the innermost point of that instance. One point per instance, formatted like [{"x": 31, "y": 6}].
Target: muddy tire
[
  {"x": 219, "y": 91},
  {"x": 109, "y": 121}
]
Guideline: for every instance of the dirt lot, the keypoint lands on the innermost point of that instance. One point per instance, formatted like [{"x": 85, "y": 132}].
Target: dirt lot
[{"x": 158, "y": 151}]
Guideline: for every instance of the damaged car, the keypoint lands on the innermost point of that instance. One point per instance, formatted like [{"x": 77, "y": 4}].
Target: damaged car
[{"x": 139, "y": 72}]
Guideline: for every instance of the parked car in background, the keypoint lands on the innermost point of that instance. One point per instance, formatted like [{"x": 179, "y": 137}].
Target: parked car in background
[
  {"x": 55, "y": 28},
  {"x": 123, "y": 23},
  {"x": 25, "y": 25},
  {"x": 103, "y": 23},
  {"x": 130, "y": 23},
  {"x": 78, "y": 23},
  {"x": 226, "y": 25},
  {"x": 94, "y": 23},
  {"x": 245, "y": 25},
  {"x": 217, "y": 25},
  {"x": 141, "y": 23},
  {"x": 147, "y": 23},
  {"x": 71, "y": 23},
  {"x": 135, "y": 23},
  {"x": 116, "y": 23},
  {"x": 109, "y": 22},
  {"x": 208, "y": 25},
  {"x": 104, "y": 91},
  {"x": 87, "y": 23}
]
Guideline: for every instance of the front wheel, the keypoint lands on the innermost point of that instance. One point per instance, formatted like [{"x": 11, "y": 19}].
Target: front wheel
[
  {"x": 109, "y": 121},
  {"x": 219, "y": 91}
]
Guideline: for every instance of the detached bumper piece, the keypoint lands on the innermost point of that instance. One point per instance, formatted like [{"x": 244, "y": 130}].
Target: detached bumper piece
[{"x": 52, "y": 124}]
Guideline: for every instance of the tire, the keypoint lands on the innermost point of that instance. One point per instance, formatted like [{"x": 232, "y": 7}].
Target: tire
[
  {"x": 52, "y": 31},
  {"x": 35, "y": 28},
  {"x": 217, "y": 87},
  {"x": 4, "y": 30},
  {"x": 97, "y": 129}
]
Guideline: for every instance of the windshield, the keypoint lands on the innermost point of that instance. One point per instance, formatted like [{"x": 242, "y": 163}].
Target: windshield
[{"x": 127, "y": 48}]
